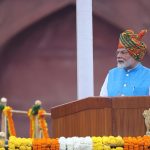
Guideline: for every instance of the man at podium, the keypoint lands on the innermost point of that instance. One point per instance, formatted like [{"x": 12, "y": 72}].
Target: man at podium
[{"x": 130, "y": 77}]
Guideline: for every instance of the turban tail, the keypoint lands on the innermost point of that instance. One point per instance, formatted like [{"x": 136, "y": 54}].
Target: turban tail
[{"x": 132, "y": 42}]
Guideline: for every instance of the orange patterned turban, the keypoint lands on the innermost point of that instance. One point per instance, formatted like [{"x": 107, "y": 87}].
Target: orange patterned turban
[{"x": 132, "y": 42}]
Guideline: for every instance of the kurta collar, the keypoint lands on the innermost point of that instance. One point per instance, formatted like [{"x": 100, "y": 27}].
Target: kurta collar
[{"x": 138, "y": 66}]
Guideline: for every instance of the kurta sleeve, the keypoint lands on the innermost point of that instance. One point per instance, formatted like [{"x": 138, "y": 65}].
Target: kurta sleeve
[{"x": 104, "y": 91}]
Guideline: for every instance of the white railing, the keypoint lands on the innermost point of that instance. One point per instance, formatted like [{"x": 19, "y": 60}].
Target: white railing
[{"x": 37, "y": 130}]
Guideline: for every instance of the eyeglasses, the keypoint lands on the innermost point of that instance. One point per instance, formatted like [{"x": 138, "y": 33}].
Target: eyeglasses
[{"x": 121, "y": 52}]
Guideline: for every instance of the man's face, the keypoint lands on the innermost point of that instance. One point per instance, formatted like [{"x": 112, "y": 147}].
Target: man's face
[{"x": 124, "y": 60}]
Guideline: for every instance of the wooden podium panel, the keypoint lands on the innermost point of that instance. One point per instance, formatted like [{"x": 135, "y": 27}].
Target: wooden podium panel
[
  {"x": 127, "y": 115},
  {"x": 86, "y": 117},
  {"x": 99, "y": 116}
]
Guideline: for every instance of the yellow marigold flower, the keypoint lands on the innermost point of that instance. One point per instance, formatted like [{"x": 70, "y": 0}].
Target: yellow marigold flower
[
  {"x": 119, "y": 141},
  {"x": 106, "y": 147},
  {"x": 119, "y": 148},
  {"x": 111, "y": 140},
  {"x": 105, "y": 140}
]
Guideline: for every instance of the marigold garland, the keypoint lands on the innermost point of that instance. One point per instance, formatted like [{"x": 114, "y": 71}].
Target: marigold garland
[
  {"x": 11, "y": 128},
  {"x": 75, "y": 143},
  {"x": 32, "y": 123},
  {"x": 45, "y": 144},
  {"x": 19, "y": 143},
  {"x": 2, "y": 145},
  {"x": 32, "y": 112},
  {"x": 136, "y": 143},
  {"x": 42, "y": 123},
  {"x": 107, "y": 142},
  {"x": 81, "y": 143},
  {"x": 97, "y": 143}
]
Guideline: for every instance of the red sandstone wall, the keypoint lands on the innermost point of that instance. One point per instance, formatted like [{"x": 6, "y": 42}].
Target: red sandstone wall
[{"x": 40, "y": 62}]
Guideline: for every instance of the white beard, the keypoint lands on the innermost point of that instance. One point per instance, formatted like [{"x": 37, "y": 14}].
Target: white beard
[{"x": 124, "y": 64}]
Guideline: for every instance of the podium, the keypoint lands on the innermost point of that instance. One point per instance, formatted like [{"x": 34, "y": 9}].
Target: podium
[
  {"x": 127, "y": 115},
  {"x": 99, "y": 116}
]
